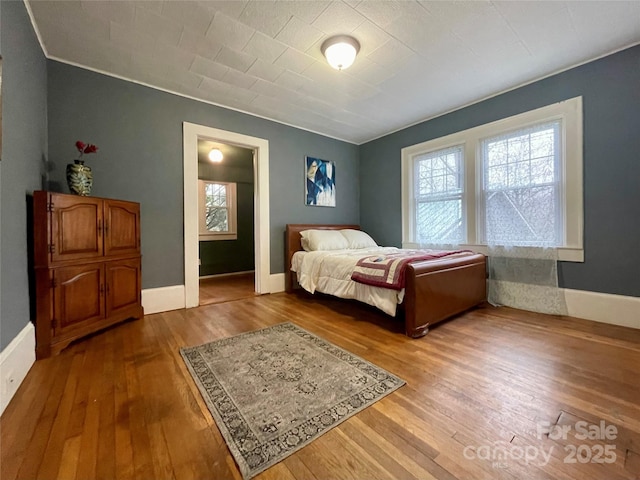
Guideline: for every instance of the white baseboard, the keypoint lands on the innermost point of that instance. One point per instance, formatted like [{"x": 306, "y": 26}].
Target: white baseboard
[
  {"x": 276, "y": 282},
  {"x": 15, "y": 362},
  {"x": 600, "y": 307},
  {"x": 220, "y": 275},
  {"x": 163, "y": 299},
  {"x": 604, "y": 307}
]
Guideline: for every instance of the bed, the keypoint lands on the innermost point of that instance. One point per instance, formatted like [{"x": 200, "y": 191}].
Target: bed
[{"x": 434, "y": 290}]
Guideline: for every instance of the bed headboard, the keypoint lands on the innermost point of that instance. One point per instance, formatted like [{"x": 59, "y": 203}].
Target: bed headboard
[{"x": 292, "y": 244}]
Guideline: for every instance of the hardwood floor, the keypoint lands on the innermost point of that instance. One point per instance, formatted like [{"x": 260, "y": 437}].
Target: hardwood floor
[
  {"x": 227, "y": 288},
  {"x": 121, "y": 404}
]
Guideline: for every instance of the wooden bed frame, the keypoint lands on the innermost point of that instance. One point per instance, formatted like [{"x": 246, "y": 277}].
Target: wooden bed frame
[{"x": 435, "y": 289}]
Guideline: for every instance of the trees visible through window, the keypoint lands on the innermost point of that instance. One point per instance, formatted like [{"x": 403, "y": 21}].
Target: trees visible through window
[
  {"x": 439, "y": 189},
  {"x": 217, "y": 210},
  {"x": 217, "y": 207},
  {"x": 522, "y": 184}
]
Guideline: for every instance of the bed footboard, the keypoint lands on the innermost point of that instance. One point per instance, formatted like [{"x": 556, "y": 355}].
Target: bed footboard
[{"x": 437, "y": 290}]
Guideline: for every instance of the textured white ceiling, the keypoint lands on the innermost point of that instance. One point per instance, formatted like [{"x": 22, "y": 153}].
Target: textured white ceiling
[{"x": 418, "y": 59}]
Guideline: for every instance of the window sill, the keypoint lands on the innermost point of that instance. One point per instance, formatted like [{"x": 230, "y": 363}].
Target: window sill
[
  {"x": 565, "y": 254},
  {"x": 207, "y": 237}
]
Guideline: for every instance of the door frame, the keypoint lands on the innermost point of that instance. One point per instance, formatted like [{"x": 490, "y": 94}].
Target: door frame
[{"x": 191, "y": 134}]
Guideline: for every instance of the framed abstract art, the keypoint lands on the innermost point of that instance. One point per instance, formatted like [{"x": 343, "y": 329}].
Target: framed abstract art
[{"x": 320, "y": 182}]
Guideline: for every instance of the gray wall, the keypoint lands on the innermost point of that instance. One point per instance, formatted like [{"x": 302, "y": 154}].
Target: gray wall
[
  {"x": 139, "y": 133},
  {"x": 227, "y": 256},
  {"x": 611, "y": 100},
  {"x": 24, "y": 147}
]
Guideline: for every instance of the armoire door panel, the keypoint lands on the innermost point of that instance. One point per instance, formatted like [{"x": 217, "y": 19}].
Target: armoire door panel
[
  {"x": 79, "y": 296},
  {"x": 122, "y": 235},
  {"x": 76, "y": 231},
  {"x": 123, "y": 285}
]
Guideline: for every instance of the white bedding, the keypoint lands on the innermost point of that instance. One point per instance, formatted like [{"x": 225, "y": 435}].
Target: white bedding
[{"x": 330, "y": 272}]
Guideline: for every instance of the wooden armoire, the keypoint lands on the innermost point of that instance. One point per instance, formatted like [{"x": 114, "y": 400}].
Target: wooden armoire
[{"x": 87, "y": 266}]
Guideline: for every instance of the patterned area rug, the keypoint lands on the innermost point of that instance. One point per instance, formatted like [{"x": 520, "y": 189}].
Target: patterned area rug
[{"x": 273, "y": 391}]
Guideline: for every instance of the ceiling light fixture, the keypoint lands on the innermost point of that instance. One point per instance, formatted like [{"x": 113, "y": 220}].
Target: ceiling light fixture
[
  {"x": 215, "y": 155},
  {"x": 340, "y": 51}
]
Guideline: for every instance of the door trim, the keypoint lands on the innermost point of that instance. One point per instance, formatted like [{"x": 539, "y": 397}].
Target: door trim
[{"x": 191, "y": 134}]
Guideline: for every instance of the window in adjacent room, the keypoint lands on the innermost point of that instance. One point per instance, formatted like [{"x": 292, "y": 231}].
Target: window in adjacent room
[
  {"x": 514, "y": 182},
  {"x": 218, "y": 210}
]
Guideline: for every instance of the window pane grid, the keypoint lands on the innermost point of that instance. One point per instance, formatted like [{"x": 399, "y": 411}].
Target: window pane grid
[
  {"x": 526, "y": 157},
  {"x": 216, "y": 194},
  {"x": 439, "y": 172}
]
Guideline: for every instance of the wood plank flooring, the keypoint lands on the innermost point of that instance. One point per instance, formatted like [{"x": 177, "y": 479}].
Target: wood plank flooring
[
  {"x": 480, "y": 388},
  {"x": 227, "y": 288}
]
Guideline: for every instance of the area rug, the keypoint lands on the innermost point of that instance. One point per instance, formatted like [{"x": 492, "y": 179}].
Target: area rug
[{"x": 275, "y": 390}]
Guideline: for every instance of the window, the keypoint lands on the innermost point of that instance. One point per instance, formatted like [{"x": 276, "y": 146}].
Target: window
[
  {"x": 521, "y": 187},
  {"x": 438, "y": 195},
  {"x": 515, "y": 182},
  {"x": 218, "y": 210}
]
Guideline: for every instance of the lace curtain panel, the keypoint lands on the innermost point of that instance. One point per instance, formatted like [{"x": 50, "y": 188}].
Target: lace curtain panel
[{"x": 525, "y": 278}]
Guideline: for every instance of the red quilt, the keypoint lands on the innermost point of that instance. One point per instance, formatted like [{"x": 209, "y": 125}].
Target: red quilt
[{"x": 388, "y": 270}]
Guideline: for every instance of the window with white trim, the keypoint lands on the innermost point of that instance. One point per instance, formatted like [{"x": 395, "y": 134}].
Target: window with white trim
[
  {"x": 217, "y": 204},
  {"x": 439, "y": 191},
  {"x": 522, "y": 187},
  {"x": 515, "y": 182}
]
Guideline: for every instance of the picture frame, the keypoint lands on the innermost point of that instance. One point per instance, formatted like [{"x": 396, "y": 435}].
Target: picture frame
[{"x": 320, "y": 182}]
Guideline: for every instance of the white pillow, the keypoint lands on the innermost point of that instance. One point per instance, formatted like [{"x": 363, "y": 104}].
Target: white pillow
[
  {"x": 313, "y": 240},
  {"x": 358, "y": 239}
]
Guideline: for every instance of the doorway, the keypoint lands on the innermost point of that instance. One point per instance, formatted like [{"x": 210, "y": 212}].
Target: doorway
[
  {"x": 192, "y": 133},
  {"x": 226, "y": 222}
]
